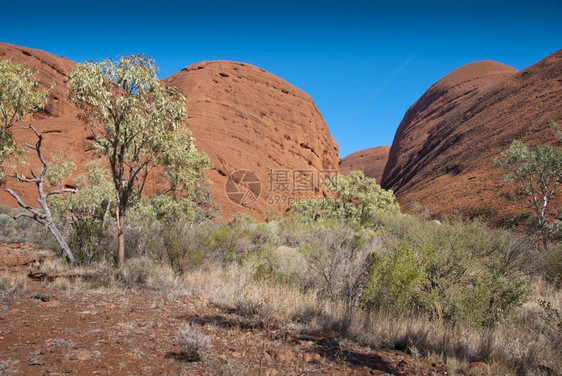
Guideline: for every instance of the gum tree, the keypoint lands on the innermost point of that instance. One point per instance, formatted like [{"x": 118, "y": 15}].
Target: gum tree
[
  {"x": 19, "y": 96},
  {"x": 136, "y": 124},
  {"x": 537, "y": 174}
]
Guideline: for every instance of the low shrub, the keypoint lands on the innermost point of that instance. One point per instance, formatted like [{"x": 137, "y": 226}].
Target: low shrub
[
  {"x": 137, "y": 274},
  {"x": 551, "y": 265},
  {"x": 226, "y": 242},
  {"x": 192, "y": 343},
  {"x": 11, "y": 284},
  {"x": 143, "y": 273}
]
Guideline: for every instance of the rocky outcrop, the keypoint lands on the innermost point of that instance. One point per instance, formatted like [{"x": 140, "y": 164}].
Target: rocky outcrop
[
  {"x": 242, "y": 116},
  {"x": 443, "y": 150},
  {"x": 247, "y": 118},
  {"x": 371, "y": 161}
]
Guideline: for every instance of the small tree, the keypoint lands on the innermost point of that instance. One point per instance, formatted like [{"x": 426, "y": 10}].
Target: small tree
[
  {"x": 44, "y": 215},
  {"x": 135, "y": 123},
  {"x": 19, "y": 97},
  {"x": 537, "y": 173}
]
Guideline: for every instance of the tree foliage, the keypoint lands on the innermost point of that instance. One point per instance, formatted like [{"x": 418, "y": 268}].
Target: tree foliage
[
  {"x": 537, "y": 174},
  {"x": 355, "y": 198},
  {"x": 19, "y": 96},
  {"x": 136, "y": 123},
  {"x": 86, "y": 212}
]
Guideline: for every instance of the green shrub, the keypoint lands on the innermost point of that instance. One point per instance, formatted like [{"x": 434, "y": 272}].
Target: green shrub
[
  {"x": 489, "y": 301},
  {"x": 226, "y": 242},
  {"x": 166, "y": 230},
  {"x": 85, "y": 215},
  {"x": 397, "y": 281},
  {"x": 356, "y": 198},
  {"x": 452, "y": 270},
  {"x": 143, "y": 273}
]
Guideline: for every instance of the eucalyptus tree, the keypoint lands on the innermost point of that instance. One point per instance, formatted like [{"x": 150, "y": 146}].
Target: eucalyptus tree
[
  {"x": 537, "y": 174},
  {"x": 137, "y": 124},
  {"x": 19, "y": 96}
]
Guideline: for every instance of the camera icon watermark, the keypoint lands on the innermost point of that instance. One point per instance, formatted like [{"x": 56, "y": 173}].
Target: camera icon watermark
[{"x": 243, "y": 187}]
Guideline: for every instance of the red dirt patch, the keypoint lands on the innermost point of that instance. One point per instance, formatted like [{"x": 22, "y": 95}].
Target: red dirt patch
[{"x": 116, "y": 332}]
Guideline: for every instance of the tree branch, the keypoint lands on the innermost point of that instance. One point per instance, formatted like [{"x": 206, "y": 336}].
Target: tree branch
[
  {"x": 61, "y": 191},
  {"x": 23, "y": 204}
]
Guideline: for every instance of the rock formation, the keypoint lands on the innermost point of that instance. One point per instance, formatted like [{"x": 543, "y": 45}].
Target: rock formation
[
  {"x": 443, "y": 149},
  {"x": 242, "y": 116},
  {"x": 371, "y": 161}
]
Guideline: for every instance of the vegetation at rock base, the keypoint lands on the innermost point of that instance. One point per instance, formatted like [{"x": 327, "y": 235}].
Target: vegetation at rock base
[
  {"x": 350, "y": 262},
  {"x": 137, "y": 125}
]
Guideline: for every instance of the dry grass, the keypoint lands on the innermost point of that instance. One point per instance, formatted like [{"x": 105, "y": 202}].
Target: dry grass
[
  {"x": 137, "y": 274},
  {"x": 11, "y": 284},
  {"x": 529, "y": 344},
  {"x": 514, "y": 347}
]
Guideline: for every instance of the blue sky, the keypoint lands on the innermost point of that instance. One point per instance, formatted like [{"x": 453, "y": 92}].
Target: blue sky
[{"x": 341, "y": 53}]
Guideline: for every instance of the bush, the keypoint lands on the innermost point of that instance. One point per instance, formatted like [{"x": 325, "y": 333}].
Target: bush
[
  {"x": 337, "y": 259},
  {"x": 192, "y": 343},
  {"x": 167, "y": 231},
  {"x": 226, "y": 242},
  {"x": 11, "y": 284},
  {"x": 551, "y": 266},
  {"x": 396, "y": 282},
  {"x": 490, "y": 300},
  {"x": 143, "y": 273},
  {"x": 7, "y": 226},
  {"x": 22, "y": 230},
  {"x": 356, "y": 198},
  {"x": 454, "y": 270},
  {"x": 137, "y": 274}
]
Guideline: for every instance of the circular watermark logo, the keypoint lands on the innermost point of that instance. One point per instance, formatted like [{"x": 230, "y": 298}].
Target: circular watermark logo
[{"x": 242, "y": 187}]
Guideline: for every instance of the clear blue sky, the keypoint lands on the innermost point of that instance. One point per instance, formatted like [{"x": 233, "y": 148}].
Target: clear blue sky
[{"x": 339, "y": 52}]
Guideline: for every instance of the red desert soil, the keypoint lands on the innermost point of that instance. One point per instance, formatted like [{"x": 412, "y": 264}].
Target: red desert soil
[
  {"x": 44, "y": 331},
  {"x": 242, "y": 116},
  {"x": 371, "y": 161},
  {"x": 443, "y": 150}
]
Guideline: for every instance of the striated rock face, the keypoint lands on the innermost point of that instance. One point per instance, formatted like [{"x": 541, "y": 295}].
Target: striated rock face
[
  {"x": 371, "y": 161},
  {"x": 443, "y": 149},
  {"x": 242, "y": 116},
  {"x": 247, "y": 118}
]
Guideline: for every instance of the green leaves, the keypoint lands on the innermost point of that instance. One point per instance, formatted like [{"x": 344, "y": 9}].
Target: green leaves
[
  {"x": 357, "y": 198},
  {"x": 453, "y": 270},
  {"x": 537, "y": 174},
  {"x": 19, "y": 96},
  {"x": 136, "y": 123}
]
